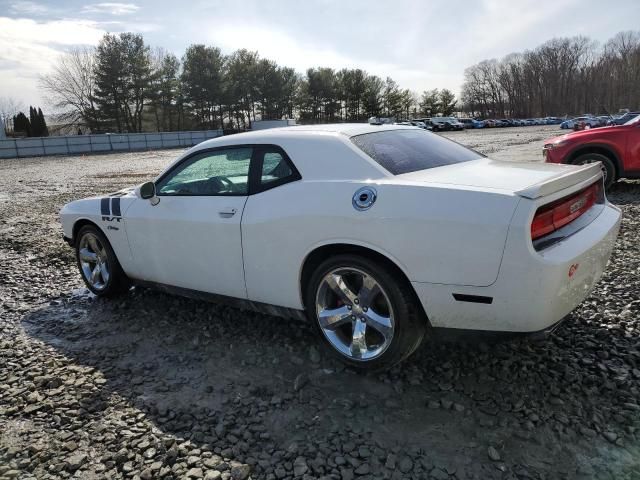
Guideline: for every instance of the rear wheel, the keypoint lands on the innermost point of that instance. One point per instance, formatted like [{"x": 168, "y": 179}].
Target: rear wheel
[
  {"x": 98, "y": 264},
  {"x": 366, "y": 314},
  {"x": 608, "y": 167}
]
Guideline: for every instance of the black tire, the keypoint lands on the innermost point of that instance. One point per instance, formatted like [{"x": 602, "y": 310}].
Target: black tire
[
  {"x": 410, "y": 322},
  {"x": 608, "y": 166},
  {"x": 117, "y": 282}
]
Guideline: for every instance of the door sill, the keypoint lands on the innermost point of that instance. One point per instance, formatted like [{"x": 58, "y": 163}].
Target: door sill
[{"x": 239, "y": 303}]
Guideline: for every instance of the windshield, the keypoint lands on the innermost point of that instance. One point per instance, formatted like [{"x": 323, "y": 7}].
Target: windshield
[{"x": 405, "y": 151}]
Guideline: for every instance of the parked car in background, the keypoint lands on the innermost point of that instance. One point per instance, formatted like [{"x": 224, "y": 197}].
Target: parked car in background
[
  {"x": 418, "y": 123},
  {"x": 453, "y": 123},
  {"x": 381, "y": 121},
  {"x": 617, "y": 148},
  {"x": 566, "y": 124},
  {"x": 529, "y": 122},
  {"x": 428, "y": 125},
  {"x": 471, "y": 123},
  {"x": 400, "y": 231},
  {"x": 553, "y": 121},
  {"x": 431, "y": 125},
  {"x": 582, "y": 123},
  {"x": 622, "y": 119},
  {"x": 585, "y": 120},
  {"x": 441, "y": 124}
]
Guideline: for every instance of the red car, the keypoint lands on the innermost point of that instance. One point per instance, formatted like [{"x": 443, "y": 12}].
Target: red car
[{"x": 617, "y": 147}]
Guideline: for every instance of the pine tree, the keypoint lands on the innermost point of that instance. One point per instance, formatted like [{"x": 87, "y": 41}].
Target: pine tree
[
  {"x": 44, "y": 130},
  {"x": 122, "y": 75},
  {"x": 21, "y": 124},
  {"x": 33, "y": 119},
  {"x": 447, "y": 102}
]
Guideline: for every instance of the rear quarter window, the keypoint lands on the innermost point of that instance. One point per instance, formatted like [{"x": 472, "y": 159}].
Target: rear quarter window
[{"x": 405, "y": 151}]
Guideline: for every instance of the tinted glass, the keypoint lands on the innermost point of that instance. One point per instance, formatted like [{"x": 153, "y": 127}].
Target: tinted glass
[
  {"x": 274, "y": 168},
  {"x": 404, "y": 151},
  {"x": 221, "y": 172}
]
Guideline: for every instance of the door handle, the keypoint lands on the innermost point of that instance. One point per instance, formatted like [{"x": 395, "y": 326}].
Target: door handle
[{"x": 227, "y": 212}]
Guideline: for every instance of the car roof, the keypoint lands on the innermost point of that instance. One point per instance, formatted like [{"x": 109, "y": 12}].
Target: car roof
[
  {"x": 347, "y": 129},
  {"x": 273, "y": 134},
  {"x": 315, "y": 163}
]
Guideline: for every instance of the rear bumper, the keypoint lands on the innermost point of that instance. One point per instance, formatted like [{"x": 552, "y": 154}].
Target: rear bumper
[
  {"x": 464, "y": 335},
  {"x": 534, "y": 290}
]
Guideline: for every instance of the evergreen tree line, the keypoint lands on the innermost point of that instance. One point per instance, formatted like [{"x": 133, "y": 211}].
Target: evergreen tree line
[
  {"x": 123, "y": 85},
  {"x": 564, "y": 76},
  {"x": 32, "y": 126}
]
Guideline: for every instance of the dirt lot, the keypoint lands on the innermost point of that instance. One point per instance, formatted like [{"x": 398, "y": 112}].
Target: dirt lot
[{"x": 154, "y": 386}]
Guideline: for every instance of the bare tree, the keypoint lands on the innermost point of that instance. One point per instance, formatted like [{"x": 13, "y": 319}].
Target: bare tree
[
  {"x": 562, "y": 76},
  {"x": 9, "y": 108},
  {"x": 70, "y": 88}
]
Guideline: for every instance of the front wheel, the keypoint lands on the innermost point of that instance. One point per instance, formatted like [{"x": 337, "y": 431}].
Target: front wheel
[
  {"x": 608, "y": 167},
  {"x": 366, "y": 313},
  {"x": 98, "y": 264}
]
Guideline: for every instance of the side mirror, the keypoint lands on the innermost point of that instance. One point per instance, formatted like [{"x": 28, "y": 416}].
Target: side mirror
[{"x": 148, "y": 190}]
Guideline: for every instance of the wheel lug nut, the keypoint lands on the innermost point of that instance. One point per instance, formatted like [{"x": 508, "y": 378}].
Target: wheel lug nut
[
  {"x": 365, "y": 309},
  {"x": 356, "y": 301},
  {"x": 349, "y": 307}
]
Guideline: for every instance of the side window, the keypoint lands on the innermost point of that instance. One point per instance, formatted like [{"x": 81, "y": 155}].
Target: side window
[
  {"x": 220, "y": 172},
  {"x": 275, "y": 169}
]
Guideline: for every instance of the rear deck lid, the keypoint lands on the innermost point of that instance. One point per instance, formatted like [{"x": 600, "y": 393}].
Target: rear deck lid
[{"x": 530, "y": 180}]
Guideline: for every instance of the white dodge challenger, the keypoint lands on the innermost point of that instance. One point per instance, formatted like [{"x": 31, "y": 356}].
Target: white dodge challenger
[{"x": 377, "y": 234}]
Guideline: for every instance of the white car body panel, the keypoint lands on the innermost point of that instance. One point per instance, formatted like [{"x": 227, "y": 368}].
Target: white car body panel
[
  {"x": 423, "y": 251},
  {"x": 531, "y": 180},
  {"x": 185, "y": 242},
  {"x": 456, "y": 229},
  {"x": 533, "y": 287},
  {"x": 89, "y": 209}
]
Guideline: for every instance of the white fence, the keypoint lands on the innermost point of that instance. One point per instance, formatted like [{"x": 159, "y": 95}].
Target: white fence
[{"x": 121, "y": 142}]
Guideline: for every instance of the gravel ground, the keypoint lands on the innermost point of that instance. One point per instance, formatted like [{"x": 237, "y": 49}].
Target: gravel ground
[{"x": 155, "y": 386}]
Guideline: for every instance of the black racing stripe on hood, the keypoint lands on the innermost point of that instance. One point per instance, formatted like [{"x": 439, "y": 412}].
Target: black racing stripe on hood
[{"x": 104, "y": 206}]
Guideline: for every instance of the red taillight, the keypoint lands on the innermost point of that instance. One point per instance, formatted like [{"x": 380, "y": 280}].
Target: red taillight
[{"x": 550, "y": 218}]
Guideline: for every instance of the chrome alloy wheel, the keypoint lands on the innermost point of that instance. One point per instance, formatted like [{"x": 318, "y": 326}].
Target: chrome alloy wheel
[
  {"x": 354, "y": 313},
  {"x": 93, "y": 261}
]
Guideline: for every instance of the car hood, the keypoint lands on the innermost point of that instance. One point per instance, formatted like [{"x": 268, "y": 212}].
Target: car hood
[
  {"x": 585, "y": 134},
  {"x": 530, "y": 180}
]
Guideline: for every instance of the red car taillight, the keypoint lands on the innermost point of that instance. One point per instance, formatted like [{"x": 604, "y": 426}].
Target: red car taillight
[{"x": 550, "y": 218}]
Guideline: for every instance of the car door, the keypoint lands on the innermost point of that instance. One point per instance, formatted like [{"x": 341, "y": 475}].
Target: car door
[
  {"x": 266, "y": 233},
  {"x": 189, "y": 234},
  {"x": 632, "y": 158}
]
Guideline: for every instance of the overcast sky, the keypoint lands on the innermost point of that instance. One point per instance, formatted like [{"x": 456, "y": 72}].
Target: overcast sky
[{"x": 422, "y": 44}]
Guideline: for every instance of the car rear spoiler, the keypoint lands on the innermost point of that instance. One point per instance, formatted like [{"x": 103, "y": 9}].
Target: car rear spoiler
[{"x": 579, "y": 175}]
